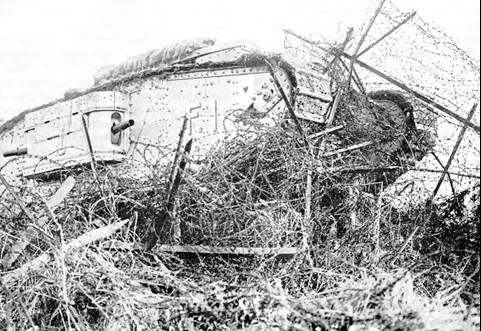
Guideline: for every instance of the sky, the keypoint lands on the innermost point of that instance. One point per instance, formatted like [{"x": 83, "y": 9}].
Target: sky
[{"x": 50, "y": 46}]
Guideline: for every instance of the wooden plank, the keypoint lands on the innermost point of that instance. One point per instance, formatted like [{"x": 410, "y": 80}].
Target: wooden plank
[
  {"x": 361, "y": 41},
  {"x": 84, "y": 240},
  {"x": 410, "y": 16},
  {"x": 177, "y": 156},
  {"x": 333, "y": 111},
  {"x": 356, "y": 168},
  {"x": 355, "y": 77},
  {"x": 206, "y": 250},
  {"x": 168, "y": 213},
  {"x": 93, "y": 162},
  {"x": 449, "y": 172},
  {"x": 327, "y": 131},
  {"x": 61, "y": 193},
  {"x": 453, "y": 153},
  {"x": 171, "y": 203},
  {"x": 211, "y": 250},
  {"x": 350, "y": 148},
  {"x": 289, "y": 106}
]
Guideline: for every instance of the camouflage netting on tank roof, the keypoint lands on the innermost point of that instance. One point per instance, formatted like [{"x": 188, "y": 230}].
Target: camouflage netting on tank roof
[
  {"x": 428, "y": 61},
  {"x": 165, "y": 56}
]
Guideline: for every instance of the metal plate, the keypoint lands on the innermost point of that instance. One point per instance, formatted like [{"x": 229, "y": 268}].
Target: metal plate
[
  {"x": 215, "y": 101},
  {"x": 313, "y": 85}
]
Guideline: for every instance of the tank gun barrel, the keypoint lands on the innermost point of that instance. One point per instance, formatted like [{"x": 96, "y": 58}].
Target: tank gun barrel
[
  {"x": 122, "y": 126},
  {"x": 16, "y": 152}
]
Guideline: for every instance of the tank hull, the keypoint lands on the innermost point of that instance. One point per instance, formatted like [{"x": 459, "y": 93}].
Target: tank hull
[{"x": 222, "y": 92}]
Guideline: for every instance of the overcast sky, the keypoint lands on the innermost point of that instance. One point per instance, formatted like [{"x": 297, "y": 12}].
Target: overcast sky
[{"x": 50, "y": 46}]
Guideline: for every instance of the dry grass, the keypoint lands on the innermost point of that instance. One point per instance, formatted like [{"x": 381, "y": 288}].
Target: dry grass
[{"x": 362, "y": 275}]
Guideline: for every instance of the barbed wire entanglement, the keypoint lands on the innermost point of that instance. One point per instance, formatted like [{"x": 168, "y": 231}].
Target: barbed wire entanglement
[
  {"x": 422, "y": 57},
  {"x": 76, "y": 243}
]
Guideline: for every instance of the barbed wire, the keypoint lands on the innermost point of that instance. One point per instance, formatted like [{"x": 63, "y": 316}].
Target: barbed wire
[{"x": 429, "y": 62}]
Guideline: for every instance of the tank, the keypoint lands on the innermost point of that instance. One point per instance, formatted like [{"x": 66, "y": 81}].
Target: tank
[
  {"x": 219, "y": 89},
  {"x": 136, "y": 110}
]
